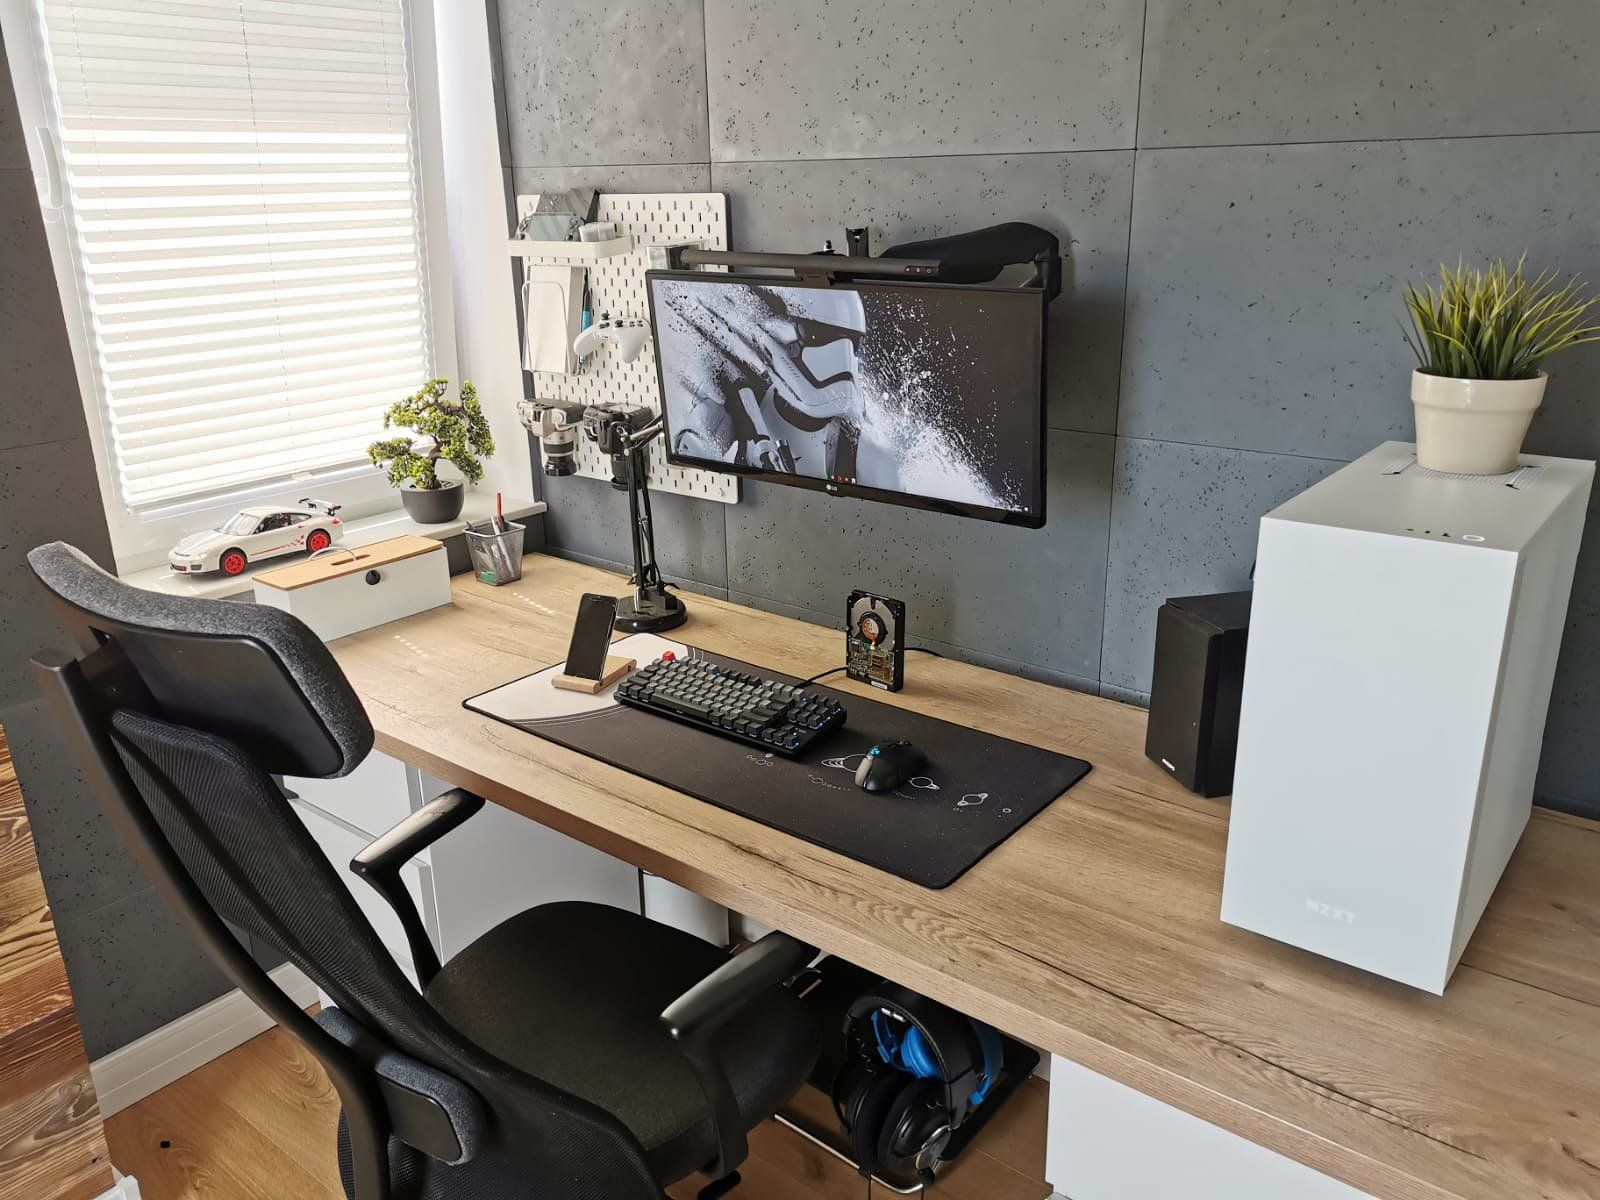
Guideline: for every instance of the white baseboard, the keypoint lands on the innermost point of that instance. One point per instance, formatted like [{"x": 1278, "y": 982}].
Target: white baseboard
[{"x": 128, "y": 1075}]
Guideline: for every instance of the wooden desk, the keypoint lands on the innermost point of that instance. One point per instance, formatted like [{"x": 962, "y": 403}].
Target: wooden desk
[{"x": 1093, "y": 932}]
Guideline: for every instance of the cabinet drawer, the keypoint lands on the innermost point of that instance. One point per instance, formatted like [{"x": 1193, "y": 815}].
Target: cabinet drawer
[
  {"x": 1109, "y": 1142},
  {"x": 340, "y": 845},
  {"x": 374, "y": 797}
]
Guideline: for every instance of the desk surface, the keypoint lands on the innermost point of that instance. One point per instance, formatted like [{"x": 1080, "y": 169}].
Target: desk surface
[{"x": 1093, "y": 932}]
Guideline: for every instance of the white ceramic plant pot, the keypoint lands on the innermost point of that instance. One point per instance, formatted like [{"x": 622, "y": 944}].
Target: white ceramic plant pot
[{"x": 1473, "y": 426}]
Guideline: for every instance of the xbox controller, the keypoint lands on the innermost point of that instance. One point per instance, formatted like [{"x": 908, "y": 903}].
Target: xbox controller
[{"x": 628, "y": 334}]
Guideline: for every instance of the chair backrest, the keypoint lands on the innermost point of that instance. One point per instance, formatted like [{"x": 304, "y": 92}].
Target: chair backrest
[
  {"x": 250, "y": 673},
  {"x": 180, "y": 710}
]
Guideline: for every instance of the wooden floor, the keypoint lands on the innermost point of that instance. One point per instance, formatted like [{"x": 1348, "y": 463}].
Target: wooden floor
[{"x": 258, "y": 1124}]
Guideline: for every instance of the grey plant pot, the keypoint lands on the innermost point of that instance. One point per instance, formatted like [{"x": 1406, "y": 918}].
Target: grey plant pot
[{"x": 434, "y": 507}]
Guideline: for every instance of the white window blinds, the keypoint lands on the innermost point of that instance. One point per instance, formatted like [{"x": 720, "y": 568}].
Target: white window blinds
[{"x": 243, "y": 187}]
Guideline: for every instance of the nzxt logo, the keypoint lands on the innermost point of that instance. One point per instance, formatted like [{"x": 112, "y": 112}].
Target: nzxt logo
[{"x": 1329, "y": 911}]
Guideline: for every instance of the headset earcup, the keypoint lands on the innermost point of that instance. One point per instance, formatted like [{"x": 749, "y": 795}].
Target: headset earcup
[
  {"x": 867, "y": 1128},
  {"x": 849, "y": 1087},
  {"x": 917, "y": 1056},
  {"x": 915, "y": 1117}
]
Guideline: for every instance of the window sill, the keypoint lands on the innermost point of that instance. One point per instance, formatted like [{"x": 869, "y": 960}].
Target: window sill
[{"x": 362, "y": 531}]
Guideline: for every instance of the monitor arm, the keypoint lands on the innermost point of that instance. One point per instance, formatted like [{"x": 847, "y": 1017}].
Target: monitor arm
[
  {"x": 975, "y": 257},
  {"x": 651, "y": 608},
  {"x": 979, "y": 256}
]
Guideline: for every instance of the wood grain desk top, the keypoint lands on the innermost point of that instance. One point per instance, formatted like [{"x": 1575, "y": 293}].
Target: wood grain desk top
[{"x": 1093, "y": 932}]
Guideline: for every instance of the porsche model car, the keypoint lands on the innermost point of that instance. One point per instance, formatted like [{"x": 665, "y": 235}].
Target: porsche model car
[{"x": 252, "y": 534}]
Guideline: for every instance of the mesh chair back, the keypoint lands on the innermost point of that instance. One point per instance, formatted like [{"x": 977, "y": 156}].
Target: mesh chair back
[{"x": 178, "y": 712}]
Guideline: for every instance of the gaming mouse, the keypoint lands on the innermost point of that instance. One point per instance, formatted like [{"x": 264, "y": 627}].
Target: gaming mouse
[{"x": 889, "y": 764}]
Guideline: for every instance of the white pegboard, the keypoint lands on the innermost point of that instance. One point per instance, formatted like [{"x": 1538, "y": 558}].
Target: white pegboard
[{"x": 616, "y": 286}]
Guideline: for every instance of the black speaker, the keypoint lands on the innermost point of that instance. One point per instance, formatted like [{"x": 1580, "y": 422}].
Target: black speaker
[{"x": 1196, "y": 687}]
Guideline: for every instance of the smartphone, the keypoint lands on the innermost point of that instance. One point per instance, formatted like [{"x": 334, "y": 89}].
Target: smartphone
[{"x": 591, "y": 636}]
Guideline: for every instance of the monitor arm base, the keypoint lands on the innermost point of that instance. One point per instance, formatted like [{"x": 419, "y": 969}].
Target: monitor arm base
[{"x": 650, "y": 610}]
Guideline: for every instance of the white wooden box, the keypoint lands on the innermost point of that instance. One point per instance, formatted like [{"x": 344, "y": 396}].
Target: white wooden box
[{"x": 353, "y": 589}]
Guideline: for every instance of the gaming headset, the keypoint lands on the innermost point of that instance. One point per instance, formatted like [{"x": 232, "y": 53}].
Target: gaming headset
[{"x": 914, "y": 1071}]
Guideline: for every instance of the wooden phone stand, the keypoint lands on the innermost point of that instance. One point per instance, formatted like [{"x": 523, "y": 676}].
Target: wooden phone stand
[{"x": 614, "y": 670}]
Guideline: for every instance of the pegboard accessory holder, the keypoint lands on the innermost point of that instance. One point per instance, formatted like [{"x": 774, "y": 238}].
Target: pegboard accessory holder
[{"x": 617, "y": 286}]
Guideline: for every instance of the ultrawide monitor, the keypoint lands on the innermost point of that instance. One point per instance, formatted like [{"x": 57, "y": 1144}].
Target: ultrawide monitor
[{"x": 924, "y": 394}]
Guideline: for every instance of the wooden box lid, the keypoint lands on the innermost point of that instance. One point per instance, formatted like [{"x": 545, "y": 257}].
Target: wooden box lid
[{"x": 347, "y": 560}]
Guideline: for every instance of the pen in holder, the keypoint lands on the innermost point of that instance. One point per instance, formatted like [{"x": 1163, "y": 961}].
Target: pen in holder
[{"x": 496, "y": 548}]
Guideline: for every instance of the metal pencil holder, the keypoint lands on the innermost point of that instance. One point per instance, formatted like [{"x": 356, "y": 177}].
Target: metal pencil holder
[{"x": 496, "y": 556}]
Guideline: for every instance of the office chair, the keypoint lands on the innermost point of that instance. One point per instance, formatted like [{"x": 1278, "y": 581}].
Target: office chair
[{"x": 575, "y": 1051}]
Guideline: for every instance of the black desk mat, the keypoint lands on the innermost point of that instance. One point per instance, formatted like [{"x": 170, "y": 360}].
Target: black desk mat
[{"x": 976, "y": 791}]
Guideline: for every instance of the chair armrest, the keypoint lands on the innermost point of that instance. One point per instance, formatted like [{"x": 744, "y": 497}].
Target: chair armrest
[
  {"x": 723, "y": 993},
  {"x": 694, "y": 1017},
  {"x": 379, "y": 865}
]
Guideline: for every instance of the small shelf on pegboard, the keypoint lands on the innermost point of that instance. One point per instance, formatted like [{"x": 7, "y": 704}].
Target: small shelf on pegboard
[{"x": 578, "y": 252}]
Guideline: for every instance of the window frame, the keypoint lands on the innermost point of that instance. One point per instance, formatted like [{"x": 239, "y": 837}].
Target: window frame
[{"x": 142, "y": 537}]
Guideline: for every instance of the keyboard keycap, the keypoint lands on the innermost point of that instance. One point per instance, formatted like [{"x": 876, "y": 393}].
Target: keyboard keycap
[
  {"x": 684, "y": 705},
  {"x": 768, "y": 713}
]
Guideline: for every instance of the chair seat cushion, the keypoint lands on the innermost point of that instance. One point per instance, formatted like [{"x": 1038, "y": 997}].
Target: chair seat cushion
[{"x": 572, "y": 993}]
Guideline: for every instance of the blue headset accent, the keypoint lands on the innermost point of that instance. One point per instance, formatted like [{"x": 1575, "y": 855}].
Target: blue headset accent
[
  {"x": 994, "y": 1053},
  {"x": 912, "y": 1054}
]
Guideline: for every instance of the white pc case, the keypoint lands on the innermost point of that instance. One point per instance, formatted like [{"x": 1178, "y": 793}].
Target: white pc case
[{"x": 1403, "y": 638}]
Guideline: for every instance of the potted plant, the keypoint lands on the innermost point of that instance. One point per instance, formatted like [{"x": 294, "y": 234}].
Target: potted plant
[
  {"x": 1480, "y": 338},
  {"x": 453, "y": 430}
]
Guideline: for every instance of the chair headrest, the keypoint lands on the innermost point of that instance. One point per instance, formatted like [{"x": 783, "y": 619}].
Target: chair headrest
[{"x": 245, "y": 671}]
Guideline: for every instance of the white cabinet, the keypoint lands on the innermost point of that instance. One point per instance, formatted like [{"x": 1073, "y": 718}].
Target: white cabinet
[
  {"x": 666, "y": 902},
  {"x": 375, "y": 797},
  {"x": 1109, "y": 1142},
  {"x": 492, "y": 867},
  {"x": 340, "y": 845},
  {"x": 499, "y": 863}
]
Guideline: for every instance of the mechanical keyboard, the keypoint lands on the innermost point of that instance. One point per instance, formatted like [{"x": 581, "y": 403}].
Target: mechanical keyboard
[{"x": 775, "y": 716}]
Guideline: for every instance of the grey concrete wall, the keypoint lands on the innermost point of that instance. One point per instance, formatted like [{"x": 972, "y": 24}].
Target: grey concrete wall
[
  {"x": 1244, "y": 185},
  {"x": 131, "y": 967}
]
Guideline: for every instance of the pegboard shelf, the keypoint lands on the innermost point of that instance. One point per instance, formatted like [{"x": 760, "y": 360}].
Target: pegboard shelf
[
  {"x": 617, "y": 287},
  {"x": 578, "y": 252}
]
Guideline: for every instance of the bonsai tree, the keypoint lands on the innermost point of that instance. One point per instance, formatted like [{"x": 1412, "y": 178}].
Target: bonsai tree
[{"x": 455, "y": 430}]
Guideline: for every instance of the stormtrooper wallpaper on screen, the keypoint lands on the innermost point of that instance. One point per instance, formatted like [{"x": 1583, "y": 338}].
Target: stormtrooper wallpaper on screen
[{"x": 930, "y": 392}]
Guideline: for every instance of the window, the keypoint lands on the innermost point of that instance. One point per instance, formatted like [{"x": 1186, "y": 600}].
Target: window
[
  {"x": 239, "y": 524},
  {"x": 241, "y": 180}
]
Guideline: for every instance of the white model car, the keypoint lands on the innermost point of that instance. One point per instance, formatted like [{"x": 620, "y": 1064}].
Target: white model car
[{"x": 252, "y": 534}]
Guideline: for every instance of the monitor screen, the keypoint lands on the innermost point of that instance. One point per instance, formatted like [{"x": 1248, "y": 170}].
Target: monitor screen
[{"x": 915, "y": 393}]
